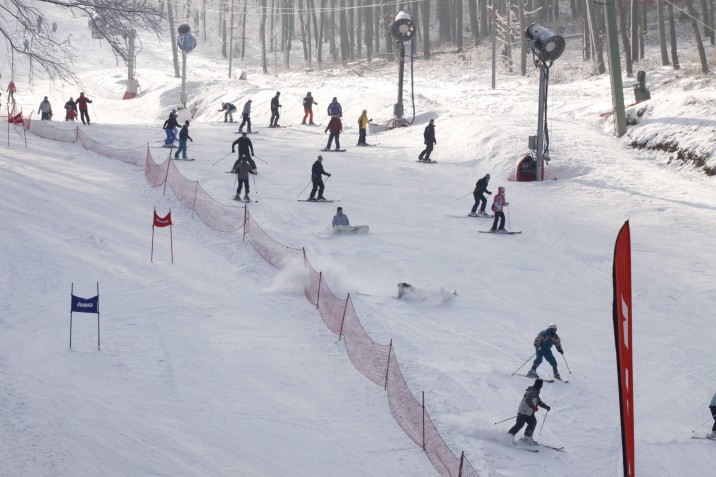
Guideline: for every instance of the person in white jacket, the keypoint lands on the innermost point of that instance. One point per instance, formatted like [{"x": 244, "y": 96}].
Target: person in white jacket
[
  {"x": 46, "y": 109},
  {"x": 340, "y": 218},
  {"x": 529, "y": 405}
]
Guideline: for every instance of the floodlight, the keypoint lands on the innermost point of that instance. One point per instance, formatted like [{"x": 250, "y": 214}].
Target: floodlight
[{"x": 545, "y": 44}]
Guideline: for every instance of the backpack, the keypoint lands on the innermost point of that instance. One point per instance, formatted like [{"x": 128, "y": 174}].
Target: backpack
[{"x": 334, "y": 108}]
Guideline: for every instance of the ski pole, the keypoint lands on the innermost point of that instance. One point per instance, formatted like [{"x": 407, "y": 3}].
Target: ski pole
[
  {"x": 505, "y": 419},
  {"x": 707, "y": 420},
  {"x": 524, "y": 363},
  {"x": 508, "y": 228},
  {"x": 257, "y": 157},
  {"x": 565, "y": 362},
  {"x": 299, "y": 194},
  {"x": 236, "y": 180},
  {"x": 545, "y": 418},
  {"x": 222, "y": 158},
  {"x": 255, "y": 190},
  {"x": 463, "y": 196}
]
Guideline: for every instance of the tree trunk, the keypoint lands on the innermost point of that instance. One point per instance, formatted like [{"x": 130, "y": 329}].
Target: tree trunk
[
  {"x": 705, "y": 12},
  {"x": 443, "y": 14},
  {"x": 474, "y": 25},
  {"x": 368, "y": 37},
  {"x": 625, "y": 38},
  {"x": 484, "y": 30},
  {"x": 672, "y": 36},
  {"x": 173, "y": 36},
  {"x": 635, "y": 30},
  {"x": 697, "y": 36},
  {"x": 523, "y": 39},
  {"x": 243, "y": 31},
  {"x": 426, "y": 29},
  {"x": 385, "y": 32},
  {"x": 508, "y": 34},
  {"x": 458, "y": 23},
  {"x": 319, "y": 44},
  {"x": 586, "y": 37},
  {"x": 332, "y": 29},
  {"x": 351, "y": 30},
  {"x": 573, "y": 8},
  {"x": 662, "y": 33},
  {"x": 262, "y": 34},
  {"x": 345, "y": 41}
]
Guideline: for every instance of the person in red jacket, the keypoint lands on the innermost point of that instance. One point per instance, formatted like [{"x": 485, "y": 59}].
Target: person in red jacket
[
  {"x": 82, "y": 103},
  {"x": 336, "y": 127},
  {"x": 11, "y": 91}
]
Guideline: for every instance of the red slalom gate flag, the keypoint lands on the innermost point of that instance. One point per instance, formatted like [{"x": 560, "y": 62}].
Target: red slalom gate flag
[
  {"x": 16, "y": 119},
  {"x": 165, "y": 221},
  {"x": 622, "y": 313}
]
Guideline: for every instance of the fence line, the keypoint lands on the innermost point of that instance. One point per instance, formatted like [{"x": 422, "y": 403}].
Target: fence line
[{"x": 375, "y": 361}]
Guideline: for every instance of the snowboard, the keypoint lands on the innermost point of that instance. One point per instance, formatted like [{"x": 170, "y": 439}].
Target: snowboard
[
  {"x": 333, "y": 150},
  {"x": 365, "y": 145},
  {"x": 345, "y": 229},
  {"x": 180, "y": 159},
  {"x": 427, "y": 162},
  {"x": 247, "y": 132},
  {"x": 468, "y": 216},
  {"x": 503, "y": 232},
  {"x": 322, "y": 200}
]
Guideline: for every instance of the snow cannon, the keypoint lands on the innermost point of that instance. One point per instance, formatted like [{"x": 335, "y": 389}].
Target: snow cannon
[
  {"x": 544, "y": 44},
  {"x": 402, "y": 29},
  {"x": 186, "y": 43}
]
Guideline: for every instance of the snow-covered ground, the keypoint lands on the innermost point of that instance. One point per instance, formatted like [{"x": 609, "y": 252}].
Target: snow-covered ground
[{"x": 217, "y": 364}]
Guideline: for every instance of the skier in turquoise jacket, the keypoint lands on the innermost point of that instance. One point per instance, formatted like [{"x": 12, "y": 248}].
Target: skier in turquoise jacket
[{"x": 543, "y": 350}]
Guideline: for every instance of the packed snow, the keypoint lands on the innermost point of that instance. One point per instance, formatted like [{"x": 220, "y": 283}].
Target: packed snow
[{"x": 217, "y": 365}]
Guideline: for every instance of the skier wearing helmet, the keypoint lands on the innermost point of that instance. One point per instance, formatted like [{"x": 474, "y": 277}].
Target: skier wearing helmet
[
  {"x": 479, "y": 195},
  {"x": 543, "y": 350},
  {"x": 308, "y": 103}
]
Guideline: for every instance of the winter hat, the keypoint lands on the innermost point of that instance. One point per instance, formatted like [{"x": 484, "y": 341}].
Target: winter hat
[
  {"x": 320, "y": 158},
  {"x": 186, "y": 122},
  {"x": 500, "y": 190},
  {"x": 487, "y": 176},
  {"x": 335, "y": 99},
  {"x": 309, "y": 94},
  {"x": 538, "y": 384},
  {"x": 223, "y": 104},
  {"x": 174, "y": 110},
  {"x": 278, "y": 93},
  {"x": 243, "y": 134}
]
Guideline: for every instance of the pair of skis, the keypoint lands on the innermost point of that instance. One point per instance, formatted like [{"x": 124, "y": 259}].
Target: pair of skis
[
  {"x": 546, "y": 380},
  {"x": 535, "y": 443}
]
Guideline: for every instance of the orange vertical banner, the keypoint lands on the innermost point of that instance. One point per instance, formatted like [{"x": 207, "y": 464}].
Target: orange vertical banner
[{"x": 622, "y": 316}]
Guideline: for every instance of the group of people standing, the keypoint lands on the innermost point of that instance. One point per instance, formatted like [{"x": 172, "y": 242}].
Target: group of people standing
[{"x": 71, "y": 107}]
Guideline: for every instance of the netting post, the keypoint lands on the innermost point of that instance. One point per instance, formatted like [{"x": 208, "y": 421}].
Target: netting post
[
  {"x": 246, "y": 211},
  {"x": 423, "y": 420},
  {"x": 318, "y": 295},
  {"x": 193, "y": 206},
  {"x": 343, "y": 320},
  {"x": 462, "y": 460},
  {"x": 387, "y": 368},
  {"x": 166, "y": 176},
  {"x": 77, "y": 134}
]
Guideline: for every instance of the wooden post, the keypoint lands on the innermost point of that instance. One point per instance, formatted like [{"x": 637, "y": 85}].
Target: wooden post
[
  {"x": 387, "y": 368},
  {"x": 343, "y": 320}
]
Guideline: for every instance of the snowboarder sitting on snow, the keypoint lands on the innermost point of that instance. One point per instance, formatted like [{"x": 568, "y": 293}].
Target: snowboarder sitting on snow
[
  {"x": 429, "y": 140},
  {"x": 362, "y": 126},
  {"x": 407, "y": 292},
  {"x": 308, "y": 103},
  {"x": 46, "y": 109},
  {"x": 245, "y": 115},
  {"x": 242, "y": 170},
  {"x": 82, "y": 103},
  {"x": 526, "y": 411},
  {"x": 497, "y": 204},
  {"x": 183, "y": 136},
  {"x": 317, "y": 174},
  {"x": 70, "y": 110},
  {"x": 246, "y": 149},
  {"x": 479, "y": 195},
  {"x": 336, "y": 127},
  {"x": 403, "y": 289},
  {"x": 712, "y": 408},
  {"x": 543, "y": 349},
  {"x": 229, "y": 114},
  {"x": 273, "y": 123},
  {"x": 340, "y": 218},
  {"x": 169, "y": 127}
]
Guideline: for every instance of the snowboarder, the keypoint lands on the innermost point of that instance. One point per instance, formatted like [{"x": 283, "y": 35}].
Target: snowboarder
[
  {"x": 335, "y": 108},
  {"x": 46, "y": 109},
  {"x": 543, "y": 349},
  {"x": 529, "y": 405},
  {"x": 336, "y": 127},
  {"x": 317, "y": 174},
  {"x": 10, "y": 91},
  {"x": 246, "y": 149},
  {"x": 497, "y": 204},
  {"x": 275, "y": 105},
  {"x": 82, "y": 103},
  {"x": 242, "y": 169},
  {"x": 170, "y": 128},
  {"x": 429, "y": 140},
  {"x": 70, "y": 110},
  {"x": 340, "y": 218},
  {"x": 308, "y": 103},
  {"x": 245, "y": 116},
  {"x": 362, "y": 126},
  {"x": 229, "y": 114},
  {"x": 479, "y": 195},
  {"x": 712, "y": 408},
  {"x": 183, "y": 136}
]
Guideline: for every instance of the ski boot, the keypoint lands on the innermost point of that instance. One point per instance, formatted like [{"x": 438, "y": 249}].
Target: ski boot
[
  {"x": 473, "y": 214},
  {"x": 556, "y": 374},
  {"x": 528, "y": 440},
  {"x": 246, "y": 198},
  {"x": 533, "y": 374}
]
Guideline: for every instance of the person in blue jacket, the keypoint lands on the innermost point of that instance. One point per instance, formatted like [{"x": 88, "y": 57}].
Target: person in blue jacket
[
  {"x": 712, "y": 408},
  {"x": 543, "y": 349},
  {"x": 229, "y": 114},
  {"x": 340, "y": 218}
]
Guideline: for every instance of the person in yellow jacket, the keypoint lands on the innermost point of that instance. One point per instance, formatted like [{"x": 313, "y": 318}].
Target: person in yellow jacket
[{"x": 362, "y": 126}]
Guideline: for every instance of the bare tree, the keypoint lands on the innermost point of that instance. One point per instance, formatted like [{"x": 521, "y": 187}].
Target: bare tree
[
  {"x": 697, "y": 36},
  {"x": 662, "y": 32},
  {"x": 108, "y": 19},
  {"x": 426, "y": 28},
  {"x": 672, "y": 35},
  {"x": 474, "y": 25}
]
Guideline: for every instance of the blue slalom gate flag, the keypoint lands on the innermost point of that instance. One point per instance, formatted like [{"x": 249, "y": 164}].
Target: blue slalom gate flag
[{"x": 85, "y": 305}]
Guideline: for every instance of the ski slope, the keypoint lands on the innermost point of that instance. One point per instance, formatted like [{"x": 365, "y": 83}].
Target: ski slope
[{"x": 217, "y": 365}]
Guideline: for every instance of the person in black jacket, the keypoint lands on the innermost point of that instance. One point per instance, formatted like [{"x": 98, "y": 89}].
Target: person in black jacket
[
  {"x": 317, "y": 174},
  {"x": 183, "y": 136},
  {"x": 246, "y": 149},
  {"x": 479, "y": 195},
  {"x": 70, "y": 110},
  {"x": 274, "y": 111},
  {"x": 170, "y": 126},
  {"x": 429, "y": 136},
  {"x": 308, "y": 103}
]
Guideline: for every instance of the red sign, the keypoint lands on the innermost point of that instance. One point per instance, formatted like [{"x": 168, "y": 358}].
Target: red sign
[{"x": 162, "y": 221}]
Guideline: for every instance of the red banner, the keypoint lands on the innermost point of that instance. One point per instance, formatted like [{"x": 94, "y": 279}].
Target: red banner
[
  {"x": 17, "y": 119},
  {"x": 162, "y": 221},
  {"x": 621, "y": 311}
]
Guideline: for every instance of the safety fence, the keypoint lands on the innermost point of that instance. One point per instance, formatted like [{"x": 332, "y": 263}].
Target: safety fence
[{"x": 375, "y": 361}]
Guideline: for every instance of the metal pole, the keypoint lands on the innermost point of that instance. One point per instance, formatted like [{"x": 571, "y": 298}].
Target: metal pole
[
  {"x": 183, "y": 79},
  {"x": 398, "y": 110},
  {"x": 543, "y": 75},
  {"x": 524, "y": 363},
  {"x": 545, "y": 418}
]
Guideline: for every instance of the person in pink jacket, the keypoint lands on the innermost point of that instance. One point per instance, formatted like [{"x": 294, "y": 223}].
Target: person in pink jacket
[{"x": 497, "y": 204}]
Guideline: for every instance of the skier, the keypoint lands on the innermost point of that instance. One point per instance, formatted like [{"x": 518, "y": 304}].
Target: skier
[
  {"x": 229, "y": 114},
  {"x": 543, "y": 349},
  {"x": 246, "y": 149},
  {"x": 245, "y": 115},
  {"x": 497, "y": 204},
  {"x": 10, "y": 91},
  {"x": 317, "y": 174},
  {"x": 362, "y": 126},
  {"x": 712, "y": 408},
  {"x": 429, "y": 139},
  {"x": 340, "y": 218},
  {"x": 70, "y": 110},
  {"x": 183, "y": 136},
  {"x": 479, "y": 195},
  {"x": 46, "y": 109},
  {"x": 335, "y": 108},
  {"x": 274, "y": 111},
  {"x": 242, "y": 170},
  {"x": 82, "y": 103},
  {"x": 336, "y": 127},
  {"x": 526, "y": 411},
  {"x": 170, "y": 126},
  {"x": 308, "y": 103}
]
